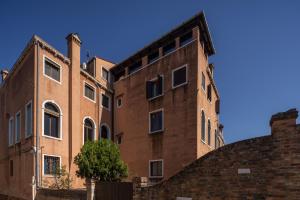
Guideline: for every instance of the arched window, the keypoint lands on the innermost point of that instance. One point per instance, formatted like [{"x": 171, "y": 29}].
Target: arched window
[
  {"x": 89, "y": 129},
  {"x": 52, "y": 120},
  {"x": 202, "y": 126},
  {"x": 208, "y": 132},
  {"x": 104, "y": 132}
]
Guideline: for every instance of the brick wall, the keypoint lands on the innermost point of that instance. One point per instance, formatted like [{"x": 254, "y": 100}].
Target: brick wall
[
  {"x": 260, "y": 168},
  {"x": 48, "y": 194}
]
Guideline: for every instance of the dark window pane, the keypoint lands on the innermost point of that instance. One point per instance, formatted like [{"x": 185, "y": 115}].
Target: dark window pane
[
  {"x": 153, "y": 57},
  {"x": 209, "y": 92},
  {"x": 185, "y": 39},
  {"x": 179, "y": 76},
  {"x": 47, "y": 118},
  {"x": 51, "y": 165},
  {"x": 89, "y": 92},
  {"x": 169, "y": 48},
  {"x": 105, "y": 101},
  {"x": 154, "y": 88},
  {"x": 52, "y": 70},
  {"x": 202, "y": 126},
  {"x": 156, "y": 121},
  {"x": 203, "y": 81},
  {"x": 104, "y": 132},
  {"x": 208, "y": 132},
  {"x": 105, "y": 74},
  {"x": 88, "y": 130},
  {"x": 156, "y": 168},
  {"x": 29, "y": 119}
]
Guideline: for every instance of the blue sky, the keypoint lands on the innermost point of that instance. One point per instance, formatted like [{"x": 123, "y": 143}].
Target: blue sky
[{"x": 257, "y": 64}]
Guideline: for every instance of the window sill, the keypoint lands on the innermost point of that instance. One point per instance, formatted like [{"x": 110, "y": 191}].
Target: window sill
[
  {"x": 50, "y": 137},
  {"x": 203, "y": 141},
  {"x": 52, "y": 79},
  {"x": 156, "y": 177},
  {"x": 156, "y": 97},
  {"x": 94, "y": 101},
  {"x": 156, "y": 132},
  {"x": 177, "y": 86}
]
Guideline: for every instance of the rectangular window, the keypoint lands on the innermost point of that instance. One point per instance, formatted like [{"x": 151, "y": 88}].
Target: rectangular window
[
  {"x": 119, "y": 102},
  {"x": 203, "y": 82},
  {"x": 11, "y": 168},
  {"x": 186, "y": 38},
  {"x": 18, "y": 127},
  {"x": 28, "y": 119},
  {"x": 105, "y": 74},
  {"x": 89, "y": 92},
  {"x": 51, "y": 125},
  {"x": 179, "y": 76},
  {"x": 169, "y": 48},
  {"x": 105, "y": 101},
  {"x": 153, "y": 57},
  {"x": 134, "y": 67},
  {"x": 51, "y": 164},
  {"x": 156, "y": 121},
  {"x": 154, "y": 88},
  {"x": 52, "y": 70},
  {"x": 90, "y": 68},
  {"x": 209, "y": 92},
  {"x": 10, "y": 132},
  {"x": 156, "y": 169}
]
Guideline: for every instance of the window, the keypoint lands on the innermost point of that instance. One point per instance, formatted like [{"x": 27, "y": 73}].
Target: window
[
  {"x": 134, "y": 67},
  {"x": 119, "y": 138},
  {"x": 153, "y": 57},
  {"x": 179, "y": 76},
  {"x": 217, "y": 106},
  {"x": 169, "y": 48},
  {"x": 51, "y": 120},
  {"x": 105, "y": 74},
  {"x": 156, "y": 169},
  {"x": 18, "y": 127},
  {"x": 203, "y": 81},
  {"x": 104, "y": 132},
  {"x": 28, "y": 119},
  {"x": 119, "y": 102},
  {"x": 89, "y": 129},
  {"x": 90, "y": 68},
  {"x": 156, "y": 121},
  {"x": 105, "y": 101},
  {"x": 11, "y": 168},
  {"x": 185, "y": 39},
  {"x": 89, "y": 92},
  {"x": 154, "y": 88},
  {"x": 51, "y": 164},
  {"x": 51, "y": 70},
  {"x": 10, "y": 131},
  {"x": 202, "y": 126},
  {"x": 209, "y": 92},
  {"x": 208, "y": 132}
]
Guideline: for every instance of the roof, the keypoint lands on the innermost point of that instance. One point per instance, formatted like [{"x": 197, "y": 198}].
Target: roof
[{"x": 197, "y": 20}]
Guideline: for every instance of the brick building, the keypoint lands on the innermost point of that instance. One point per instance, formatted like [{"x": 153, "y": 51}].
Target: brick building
[{"x": 160, "y": 106}]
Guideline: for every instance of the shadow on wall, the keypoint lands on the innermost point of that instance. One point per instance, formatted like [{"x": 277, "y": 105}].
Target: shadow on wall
[{"x": 259, "y": 168}]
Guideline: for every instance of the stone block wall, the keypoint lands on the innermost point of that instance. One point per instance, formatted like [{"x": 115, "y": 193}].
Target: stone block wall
[{"x": 260, "y": 168}]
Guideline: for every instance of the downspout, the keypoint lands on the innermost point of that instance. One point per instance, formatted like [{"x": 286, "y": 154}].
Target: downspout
[{"x": 37, "y": 160}]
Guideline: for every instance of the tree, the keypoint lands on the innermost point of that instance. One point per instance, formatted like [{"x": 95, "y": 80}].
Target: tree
[
  {"x": 100, "y": 160},
  {"x": 62, "y": 179}
]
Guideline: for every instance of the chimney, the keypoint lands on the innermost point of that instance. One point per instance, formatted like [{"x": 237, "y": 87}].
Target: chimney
[
  {"x": 283, "y": 122},
  {"x": 75, "y": 135},
  {"x": 4, "y": 74}
]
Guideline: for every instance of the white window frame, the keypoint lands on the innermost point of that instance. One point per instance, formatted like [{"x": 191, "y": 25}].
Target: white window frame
[
  {"x": 11, "y": 132},
  {"x": 162, "y": 88},
  {"x": 43, "y": 164},
  {"x": 186, "y": 76},
  {"x": 162, "y": 128},
  {"x": 108, "y": 129},
  {"x": 95, "y": 128},
  {"x": 55, "y": 63},
  {"x": 162, "y": 170},
  {"x": 109, "y": 101},
  {"x": 92, "y": 100},
  {"x": 60, "y": 120},
  {"x": 17, "y": 141},
  {"x": 27, "y": 135},
  {"x": 102, "y": 67}
]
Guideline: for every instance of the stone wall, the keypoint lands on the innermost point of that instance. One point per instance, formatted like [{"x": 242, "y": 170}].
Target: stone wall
[{"x": 260, "y": 168}]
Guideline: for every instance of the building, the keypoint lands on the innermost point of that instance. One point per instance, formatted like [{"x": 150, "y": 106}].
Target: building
[{"x": 161, "y": 106}]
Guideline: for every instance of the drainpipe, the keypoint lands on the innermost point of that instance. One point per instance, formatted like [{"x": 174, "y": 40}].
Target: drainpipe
[{"x": 37, "y": 160}]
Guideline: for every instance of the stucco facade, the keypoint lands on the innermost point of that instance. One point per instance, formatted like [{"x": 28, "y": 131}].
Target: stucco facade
[{"x": 113, "y": 98}]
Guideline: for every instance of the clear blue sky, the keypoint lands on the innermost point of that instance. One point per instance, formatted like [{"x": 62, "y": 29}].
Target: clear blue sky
[{"x": 257, "y": 42}]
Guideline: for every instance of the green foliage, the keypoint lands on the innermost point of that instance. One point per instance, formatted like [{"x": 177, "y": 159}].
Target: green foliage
[
  {"x": 62, "y": 179},
  {"x": 100, "y": 160}
]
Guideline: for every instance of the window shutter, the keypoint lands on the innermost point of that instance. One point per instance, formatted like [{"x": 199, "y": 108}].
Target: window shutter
[
  {"x": 217, "y": 106},
  {"x": 160, "y": 84},
  {"x": 148, "y": 89}
]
